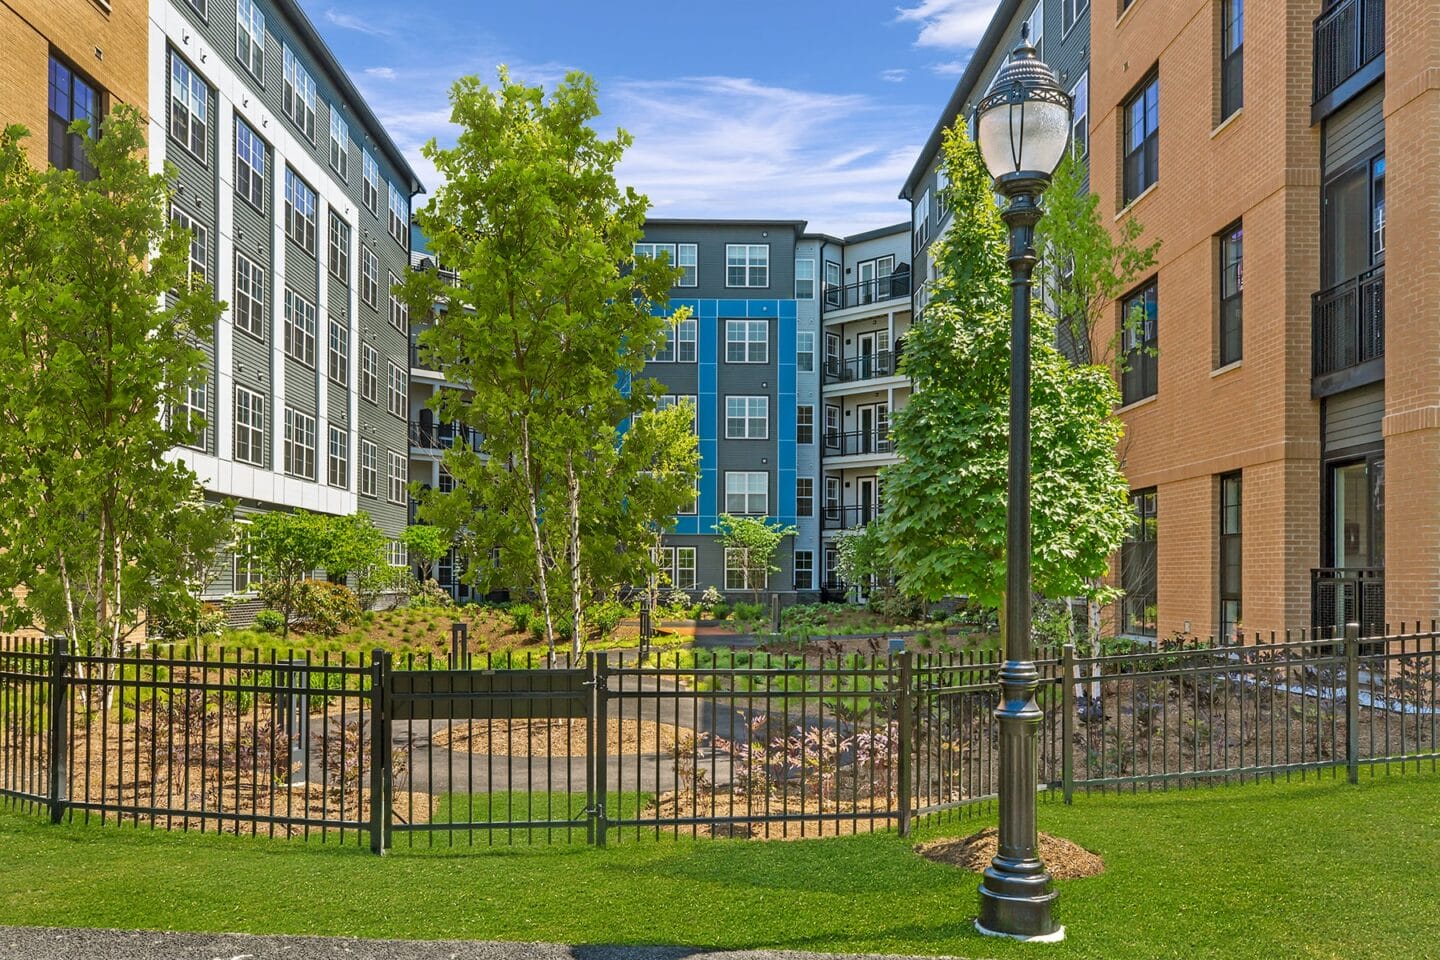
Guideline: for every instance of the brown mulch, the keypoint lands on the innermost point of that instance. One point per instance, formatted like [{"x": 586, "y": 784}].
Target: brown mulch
[
  {"x": 722, "y": 803},
  {"x": 1064, "y": 860},
  {"x": 554, "y": 738}
]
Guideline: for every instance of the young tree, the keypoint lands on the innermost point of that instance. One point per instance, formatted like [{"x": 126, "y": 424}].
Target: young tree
[
  {"x": 202, "y": 533},
  {"x": 289, "y": 548},
  {"x": 755, "y": 540},
  {"x": 425, "y": 545},
  {"x": 353, "y": 545},
  {"x": 100, "y": 321},
  {"x": 946, "y": 499},
  {"x": 548, "y": 326}
]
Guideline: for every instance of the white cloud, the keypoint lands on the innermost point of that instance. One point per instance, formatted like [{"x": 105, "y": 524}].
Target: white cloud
[
  {"x": 949, "y": 24},
  {"x": 381, "y": 73},
  {"x": 348, "y": 21},
  {"x": 949, "y": 68},
  {"x": 894, "y": 75}
]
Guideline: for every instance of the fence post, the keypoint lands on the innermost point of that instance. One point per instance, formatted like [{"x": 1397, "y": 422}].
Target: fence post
[
  {"x": 1352, "y": 701},
  {"x": 907, "y": 719},
  {"x": 600, "y": 731},
  {"x": 59, "y": 740},
  {"x": 1067, "y": 722},
  {"x": 379, "y": 758}
]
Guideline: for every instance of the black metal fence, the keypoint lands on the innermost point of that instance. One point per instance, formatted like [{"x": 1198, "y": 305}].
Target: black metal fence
[
  {"x": 492, "y": 750},
  {"x": 1349, "y": 322}
]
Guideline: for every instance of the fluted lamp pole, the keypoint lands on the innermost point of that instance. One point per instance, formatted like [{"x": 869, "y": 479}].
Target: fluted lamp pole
[{"x": 1023, "y": 126}]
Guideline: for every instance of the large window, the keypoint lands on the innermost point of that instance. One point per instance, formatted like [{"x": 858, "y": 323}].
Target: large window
[
  {"x": 247, "y": 571},
  {"x": 399, "y": 309},
  {"x": 681, "y": 341},
  {"x": 398, "y": 478},
  {"x": 747, "y": 341},
  {"x": 1070, "y": 11},
  {"x": 71, "y": 98},
  {"x": 747, "y": 493},
  {"x": 688, "y": 260},
  {"x": 747, "y": 418},
  {"x": 299, "y": 444},
  {"x": 804, "y": 496},
  {"x": 299, "y": 211},
  {"x": 833, "y": 290},
  {"x": 1080, "y": 117},
  {"x": 250, "y": 37},
  {"x": 739, "y": 574},
  {"x": 1137, "y": 567},
  {"x": 920, "y": 219},
  {"x": 369, "y": 373},
  {"x": 805, "y": 423},
  {"x": 804, "y": 279},
  {"x": 747, "y": 265},
  {"x": 249, "y": 306},
  {"x": 805, "y": 351},
  {"x": 1142, "y": 139},
  {"x": 1353, "y": 221},
  {"x": 1232, "y": 284},
  {"x": 370, "y": 173},
  {"x": 1232, "y": 56},
  {"x": 685, "y": 577},
  {"x": 193, "y": 413},
  {"x": 369, "y": 277},
  {"x": 339, "y": 366},
  {"x": 299, "y": 328},
  {"x": 189, "y": 107},
  {"x": 199, "y": 242},
  {"x": 339, "y": 144},
  {"x": 1230, "y": 554},
  {"x": 339, "y": 259},
  {"x": 369, "y": 468},
  {"x": 249, "y": 427},
  {"x": 1139, "y": 317},
  {"x": 804, "y": 569},
  {"x": 399, "y": 216},
  {"x": 298, "y": 97},
  {"x": 249, "y": 165},
  {"x": 397, "y": 392},
  {"x": 337, "y": 472}
]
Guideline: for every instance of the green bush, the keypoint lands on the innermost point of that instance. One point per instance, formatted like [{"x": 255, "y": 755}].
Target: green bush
[
  {"x": 270, "y": 621},
  {"x": 606, "y": 615},
  {"x": 749, "y": 611},
  {"x": 521, "y": 615},
  {"x": 720, "y": 610},
  {"x": 325, "y": 607}
]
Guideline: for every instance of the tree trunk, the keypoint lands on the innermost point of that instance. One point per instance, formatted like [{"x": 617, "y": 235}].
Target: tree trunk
[
  {"x": 572, "y": 486},
  {"x": 533, "y": 515}
]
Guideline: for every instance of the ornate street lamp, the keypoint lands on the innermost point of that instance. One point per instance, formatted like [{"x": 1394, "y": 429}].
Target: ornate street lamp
[{"x": 1023, "y": 127}]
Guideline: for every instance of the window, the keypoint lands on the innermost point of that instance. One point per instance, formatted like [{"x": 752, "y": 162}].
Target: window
[
  {"x": 688, "y": 260},
  {"x": 369, "y": 277},
  {"x": 747, "y": 265},
  {"x": 398, "y": 478},
  {"x": 1036, "y": 25},
  {"x": 71, "y": 98},
  {"x": 249, "y": 165},
  {"x": 339, "y": 351},
  {"x": 747, "y": 493},
  {"x": 657, "y": 251},
  {"x": 1137, "y": 567},
  {"x": 1377, "y": 210},
  {"x": 248, "y": 309},
  {"x": 337, "y": 472},
  {"x": 339, "y": 260},
  {"x": 250, "y": 37},
  {"x": 832, "y": 425},
  {"x": 804, "y": 496},
  {"x": 398, "y": 392},
  {"x": 370, "y": 173},
  {"x": 199, "y": 242},
  {"x": 1070, "y": 11},
  {"x": 399, "y": 309},
  {"x": 747, "y": 418},
  {"x": 189, "y": 107},
  {"x": 299, "y": 211},
  {"x": 747, "y": 341},
  {"x": 298, "y": 97},
  {"x": 369, "y": 468},
  {"x": 685, "y": 577},
  {"x": 1080, "y": 118},
  {"x": 687, "y": 336},
  {"x": 805, "y": 423},
  {"x": 668, "y": 400},
  {"x": 1232, "y": 283},
  {"x": 804, "y": 279},
  {"x": 804, "y": 569},
  {"x": 832, "y": 498},
  {"x": 1232, "y": 56},
  {"x": 395, "y": 553},
  {"x": 833, "y": 292},
  {"x": 1142, "y": 139},
  {"x": 738, "y": 573},
  {"x": 1230, "y": 555},
  {"x": 247, "y": 571},
  {"x": 446, "y": 482},
  {"x": 249, "y": 427},
  {"x": 369, "y": 373},
  {"x": 942, "y": 194},
  {"x": 339, "y": 144},
  {"x": 192, "y": 414},
  {"x": 198, "y": 5},
  {"x": 1140, "y": 337},
  {"x": 1352, "y": 230},
  {"x": 399, "y": 217},
  {"x": 805, "y": 351},
  {"x": 299, "y": 328},
  {"x": 299, "y": 444},
  {"x": 920, "y": 217}
]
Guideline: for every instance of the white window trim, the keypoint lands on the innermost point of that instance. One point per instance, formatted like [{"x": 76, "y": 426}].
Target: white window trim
[
  {"x": 747, "y": 493},
  {"x": 748, "y": 265},
  {"x": 812, "y": 278},
  {"x": 749, "y": 417},
  {"x": 746, "y": 326}
]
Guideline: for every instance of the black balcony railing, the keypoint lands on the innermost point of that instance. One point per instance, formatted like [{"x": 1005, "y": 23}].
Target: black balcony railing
[
  {"x": 858, "y": 442},
  {"x": 1341, "y": 595},
  {"x": 438, "y": 436},
  {"x": 866, "y": 366},
  {"x": 1349, "y": 322},
  {"x": 836, "y": 517},
  {"x": 864, "y": 292},
  {"x": 1347, "y": 36},
  {"x": 415, "y": 361}
]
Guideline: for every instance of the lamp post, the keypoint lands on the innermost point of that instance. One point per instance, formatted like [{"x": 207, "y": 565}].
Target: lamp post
[{"x": 1023, "y": 129}]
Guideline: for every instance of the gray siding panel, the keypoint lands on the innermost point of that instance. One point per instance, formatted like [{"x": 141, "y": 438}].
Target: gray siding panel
[
  {"x": 1354, "y": 418},
  {"x": 1355, "y": 129}
]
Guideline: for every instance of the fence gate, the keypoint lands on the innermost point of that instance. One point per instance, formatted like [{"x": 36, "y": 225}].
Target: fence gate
[{"x": 494, "y": 756}]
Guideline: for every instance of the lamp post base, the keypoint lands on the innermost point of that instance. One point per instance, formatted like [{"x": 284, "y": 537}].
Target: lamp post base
[
  {"x": 1019, "y": 905},
  {"x": 1056, "y": 937}
]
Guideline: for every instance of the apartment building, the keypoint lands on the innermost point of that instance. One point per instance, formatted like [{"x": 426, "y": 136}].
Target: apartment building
[{"x": 299, "y": 202}]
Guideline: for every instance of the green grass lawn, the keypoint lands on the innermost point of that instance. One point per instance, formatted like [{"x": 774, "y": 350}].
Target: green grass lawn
[{"x": 1319, "y": 869}]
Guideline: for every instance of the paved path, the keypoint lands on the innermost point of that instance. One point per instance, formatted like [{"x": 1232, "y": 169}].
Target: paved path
[{"x": 45, "y": 943}]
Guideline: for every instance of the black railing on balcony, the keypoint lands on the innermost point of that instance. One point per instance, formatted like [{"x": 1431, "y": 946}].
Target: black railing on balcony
[
  {"x": 1348, "y": 35},
  {"x": 1349, "y": 322},
  {"x": 857, "y": 442},
  {"x": 866, "y": 366},
  {"x": 438, "y": 436},
  {"x": 1341, "y": 595},
  {"x": 836, "y": 517},
  {"x": 864, "y": 292}
]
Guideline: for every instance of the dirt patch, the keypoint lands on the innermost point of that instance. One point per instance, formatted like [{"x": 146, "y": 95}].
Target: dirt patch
[
  {"x": 861, "y": 815},
  {"x": 1065, "y": 860},
  {"x": 555, "y": 738}
]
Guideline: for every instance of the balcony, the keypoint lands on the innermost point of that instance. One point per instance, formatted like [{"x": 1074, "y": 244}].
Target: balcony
[
  {"x": 866, "y": 292},
  {"x": 856, "y": 443},
  {"x": 432, "y": 436},
  {"x": 836, "y": 517},
  {"x": 1341, "y": 595},
  {"x": 1349, "y": 51},
  {"x": 1349, "y": 332},
  {"x": 867, "y": 366}
]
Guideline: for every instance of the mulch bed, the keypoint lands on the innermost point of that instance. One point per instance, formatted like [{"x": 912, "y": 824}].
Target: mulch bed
[{"x": 1065, "y": 860}]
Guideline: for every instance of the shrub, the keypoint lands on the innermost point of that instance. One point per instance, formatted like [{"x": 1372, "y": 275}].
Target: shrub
[
  {"x": 749, "y": 611},
  {"x": 270, "y": 621},
  {"x": 521, "y": 615},
  {"x": 678, "y": 602},
  {"x": 606, "y": 615},
  {"x": 720, "y": 610},
  {"x": 431, "y": 594},
  {"x": 319, "y": 605},
  {"x": 711, "y": 600}
]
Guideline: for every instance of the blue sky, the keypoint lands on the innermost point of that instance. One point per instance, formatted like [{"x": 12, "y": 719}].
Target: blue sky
[{"x": 777, "y": 109}]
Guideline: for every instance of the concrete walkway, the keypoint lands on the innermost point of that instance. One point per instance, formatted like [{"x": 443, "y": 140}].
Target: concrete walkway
[{"x": 45, "y": 943}]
